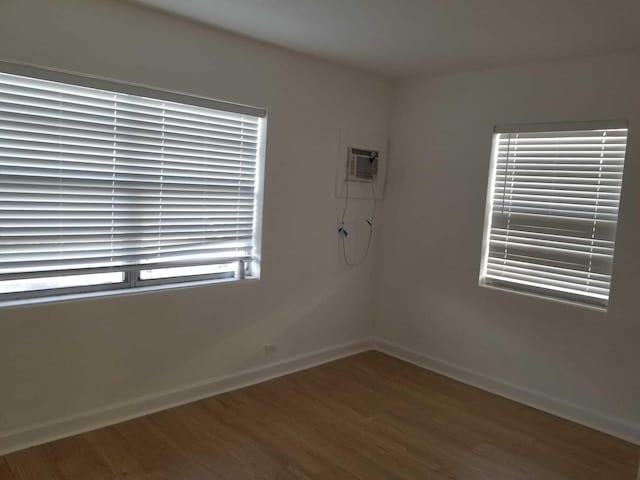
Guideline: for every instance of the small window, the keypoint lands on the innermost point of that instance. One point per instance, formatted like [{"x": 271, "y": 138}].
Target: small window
[
  {"x": 552, "y": 210},
  {"x": 106, "y": 186}
]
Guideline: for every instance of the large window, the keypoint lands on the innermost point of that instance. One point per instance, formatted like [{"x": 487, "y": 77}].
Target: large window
[
  {"x": 107, "y": 186},
  {"x": 552, "y": 209}
]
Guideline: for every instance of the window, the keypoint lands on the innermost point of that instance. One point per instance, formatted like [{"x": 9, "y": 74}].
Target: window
[
  {"x": 106, "y": 186},
  {"x": 552, "y": 209}
]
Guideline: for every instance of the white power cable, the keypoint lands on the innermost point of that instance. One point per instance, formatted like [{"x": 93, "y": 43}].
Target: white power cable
[{"x": 343, "y": 233}]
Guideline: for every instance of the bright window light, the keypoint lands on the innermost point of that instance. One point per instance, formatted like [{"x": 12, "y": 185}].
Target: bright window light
[
  {"x": 97, "y": 176},
  {"x": 158, "y": 273},
  {"x": 68, "y": 281},
  {"x": 552, "y": 210}
]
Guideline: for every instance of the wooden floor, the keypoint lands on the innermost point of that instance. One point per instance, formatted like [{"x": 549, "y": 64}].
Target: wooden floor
[{"x": 366, "y": 417}]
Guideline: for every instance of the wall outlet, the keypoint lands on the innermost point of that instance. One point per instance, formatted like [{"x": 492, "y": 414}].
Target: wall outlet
[{"x": 270, "y": 348}]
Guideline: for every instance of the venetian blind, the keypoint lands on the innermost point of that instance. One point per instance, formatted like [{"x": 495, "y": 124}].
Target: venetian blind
[
  {"x": 96, "y": 180},
  {"x": 554, "y": 208}
]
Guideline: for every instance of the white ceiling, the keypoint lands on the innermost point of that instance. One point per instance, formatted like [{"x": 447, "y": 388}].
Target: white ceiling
[{"x": 397, "y": 38}]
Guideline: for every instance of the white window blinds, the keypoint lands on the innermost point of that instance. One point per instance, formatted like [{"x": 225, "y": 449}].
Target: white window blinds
[
  {"x": 553, "y": 210},
  {"x": 93, "y": 180}
]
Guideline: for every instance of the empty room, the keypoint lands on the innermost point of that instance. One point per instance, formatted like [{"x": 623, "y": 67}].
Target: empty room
[{"x": 319, "y": 239}]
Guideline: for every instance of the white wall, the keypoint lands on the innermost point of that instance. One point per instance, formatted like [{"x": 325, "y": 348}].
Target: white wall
[
  {"x": 428, "y": 296},
  {"x": 66, "y": 358}
]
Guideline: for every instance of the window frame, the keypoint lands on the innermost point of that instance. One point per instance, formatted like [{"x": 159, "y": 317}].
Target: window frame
[
  {"x": 247, "y": 268},
  {"x": 532, "y": 290}
]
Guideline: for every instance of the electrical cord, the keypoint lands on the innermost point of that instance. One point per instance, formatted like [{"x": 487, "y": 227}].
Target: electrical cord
[{"x": 343, "y": 232}]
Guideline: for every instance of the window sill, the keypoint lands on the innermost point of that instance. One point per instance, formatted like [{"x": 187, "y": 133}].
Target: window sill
[{"x": 120, "y": 292}]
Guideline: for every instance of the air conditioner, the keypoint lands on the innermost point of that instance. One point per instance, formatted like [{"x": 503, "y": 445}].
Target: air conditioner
[{"x": 362, "y": 165}]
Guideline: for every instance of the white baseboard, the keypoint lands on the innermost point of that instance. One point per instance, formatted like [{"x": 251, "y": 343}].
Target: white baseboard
[
  {"x": 554, "y": 406},
  {"x": 37, "y": 434},
  {"x": 31, "y": 435}
]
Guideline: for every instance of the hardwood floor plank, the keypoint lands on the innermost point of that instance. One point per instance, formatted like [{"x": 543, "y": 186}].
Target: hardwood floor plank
[
  {"x": 5, "y": 471},
  {"x": 365, "y": 417},
  {"x": 76, "y": 459},
  {"x": 114, "y": 449},
  {"x": 196, "y": 437},
  {"x": 33, "y": 464},
  {"x": 158, "y": 457}
]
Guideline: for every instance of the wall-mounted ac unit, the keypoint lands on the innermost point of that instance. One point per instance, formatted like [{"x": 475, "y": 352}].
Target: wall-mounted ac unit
[{"x": 362, "y": 165}]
